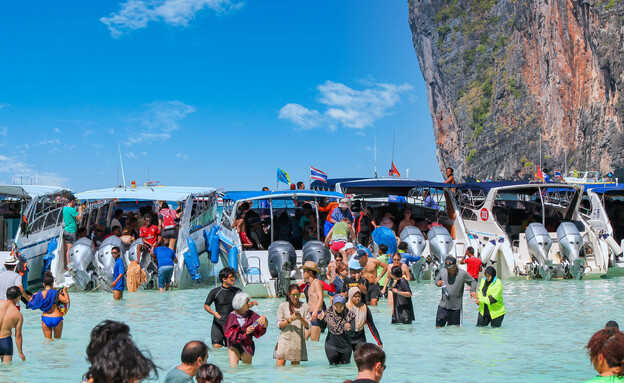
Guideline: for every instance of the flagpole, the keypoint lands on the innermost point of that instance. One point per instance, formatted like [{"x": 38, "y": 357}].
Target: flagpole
[{"x": 375, "y": 153}]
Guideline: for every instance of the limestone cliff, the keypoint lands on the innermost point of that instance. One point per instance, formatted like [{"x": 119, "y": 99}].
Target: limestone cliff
[{"x": 502, "y": 73}]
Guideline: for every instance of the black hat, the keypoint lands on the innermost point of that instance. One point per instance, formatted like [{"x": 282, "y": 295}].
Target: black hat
[
  {"x": 360, "y": 253},
  {"x": 612, "y": 324},
  {"x": 450, "y": 262}
]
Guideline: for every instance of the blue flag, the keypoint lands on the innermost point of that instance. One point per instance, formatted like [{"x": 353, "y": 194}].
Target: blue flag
[{"x": 282, "y": 176}]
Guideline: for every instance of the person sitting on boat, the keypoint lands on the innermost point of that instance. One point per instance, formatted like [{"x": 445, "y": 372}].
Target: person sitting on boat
[
  {"x": 117, "y": 219},
  {"x": 338, "y": 236},
  {"x": 257, "y": 235},
  {"x": 116, "y": 231},
  {"x": 48, "y": 300},
  {"x": 407, "y": 220},
  {"x": 99, "y": 232},
  {"x": 150, "y": 233},
  {"x": 341, "y": 211},
  {"x": 240, "y": 327},
  {"x": 429, "y": 200},
  {"x": 239, "y": 225},
  {"x": 450, "y": 178}
]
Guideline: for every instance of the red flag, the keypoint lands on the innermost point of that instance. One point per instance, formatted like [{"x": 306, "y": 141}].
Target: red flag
[
  {"x": 539, "y": 175},
  {"x": 394, "y": 171}
]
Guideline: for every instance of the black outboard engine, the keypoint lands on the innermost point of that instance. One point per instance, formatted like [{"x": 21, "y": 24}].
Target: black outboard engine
[
  {"x": 316, "y": 252},
  {"x": 282, "y": 261}
]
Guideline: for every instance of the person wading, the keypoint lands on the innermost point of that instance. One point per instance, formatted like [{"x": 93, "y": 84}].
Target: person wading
[{"x": 452, "y": 280}]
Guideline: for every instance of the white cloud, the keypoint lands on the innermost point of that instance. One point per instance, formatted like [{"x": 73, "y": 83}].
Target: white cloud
[
  {"x": 136, "y": 14},
  {"x": 346, "y": 107},
  {"x": 57, "y": 130},
  {"x": 159, "y": 121},
  {"x": 88, "y": 132},
  {"x": 131, "y": 155},
  {"x": 182, "y": 156},
  {"x": 16, "y": 169},
  {"x": 3, "y": 105},
  {"x": 3, "y": 131}
]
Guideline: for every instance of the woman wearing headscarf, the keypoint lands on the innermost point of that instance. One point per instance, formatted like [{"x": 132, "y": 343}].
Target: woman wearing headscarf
[
  {"x": 363, "y": 317},
  {"x": 490, "y": 299},
  {"x": 340, "y": 325}
]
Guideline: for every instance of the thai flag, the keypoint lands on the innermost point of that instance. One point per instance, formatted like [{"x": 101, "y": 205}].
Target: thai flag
[
  {"x": 558, "y": 174},
  {"x": 318, "y": 175}
]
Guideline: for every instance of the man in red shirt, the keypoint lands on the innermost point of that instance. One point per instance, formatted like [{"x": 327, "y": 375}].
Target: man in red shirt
[
  {"x": 473, "y": 263},
  {"x": 150, "y": 233}
]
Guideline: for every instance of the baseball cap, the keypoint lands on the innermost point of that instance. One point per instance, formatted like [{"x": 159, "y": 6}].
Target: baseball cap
[
  {"x": 449, "y": 262},
  {"x": 354, "y": 264},
  {"x": 360, "y": 253},
  {"x": 348, "y": 246}
]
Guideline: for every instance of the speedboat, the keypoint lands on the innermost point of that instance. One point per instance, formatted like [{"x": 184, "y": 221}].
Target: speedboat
[
  {"x": 278, "y": 246},
  {"x": 602, "y": 210},
  {"x": 91, "y": 263},
  {"x": 531, "y": 230},
  {"x": 31, "y": 227},
  {"x": 439, "y": 232}
]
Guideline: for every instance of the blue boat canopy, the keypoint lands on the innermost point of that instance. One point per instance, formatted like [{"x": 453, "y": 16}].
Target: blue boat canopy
[
  {"x": 278, "y": 194},
  {"x": 331, "y": 183},
  {"x": 487, "y": 186},
  {"x": 397, "y": 187},
  {"x": 619, "y": 189}
]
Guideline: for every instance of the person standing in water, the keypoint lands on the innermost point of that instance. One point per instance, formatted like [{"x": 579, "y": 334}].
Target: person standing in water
[
  {"x": 363, "y": 317},
  {"x": 606, "y": 352},
  {"x": 402, "y": 306},
  {"x": 48, "y": 300},
  {"x": 490, "y": 299},
  {"x": 10, "y": 318},
  {"x": 340, "y": 331},
  {"x": 240, "y": 327},
  {"x": 315, "y": 298},
  {"x": 293, "y": 317},
  {"x": 369, "y": 272},
  {"x": 119, "y": 276},
  {"x": 452, "y": 279}
]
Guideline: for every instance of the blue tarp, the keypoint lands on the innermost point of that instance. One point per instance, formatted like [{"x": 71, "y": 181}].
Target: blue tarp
[
  {"x": 278, "y": 194},
  {"x": 385, "y": 236}
]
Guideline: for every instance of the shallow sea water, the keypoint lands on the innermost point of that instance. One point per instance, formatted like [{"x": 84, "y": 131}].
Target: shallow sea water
[{"x": 545, "y": 329}]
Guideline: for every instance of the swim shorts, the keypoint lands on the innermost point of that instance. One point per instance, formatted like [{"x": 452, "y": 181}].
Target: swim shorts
[
  {"x": 216, "y": 334},
  {"x": 337, "y": 245},
  {"x": 317, "y": 322},
  {"x": 170, "y": 233},
  {"x": 447, "y": 317},
  {"x": 164, "y": 276},
  {"x": 6, "y": 346},
  {"x": 373, "y": 292},
  {"x": 69, "y": 237}
]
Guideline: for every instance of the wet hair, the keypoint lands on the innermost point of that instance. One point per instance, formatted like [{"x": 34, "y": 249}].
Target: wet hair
[
  {"x": 403, "y": 246},
  {"x": 121, "y": 361},
  {"x": 610, "y": 343},
  {"x": 193, "y": 350},
  {"x": 102, "y": 334},
  {"x": 164, "y": 205},
  {"x": 209, "y": 373},
  {"x": 48, "y": 279},
  {"x": 470, "y": 249},
  {"x": 225, "y": 273},
  {"x": 367, "y": 355},
  {"x": 239, "y": 300},
  {"x": 13, "y": 293},
  {"x": 396, "y": 271},
  {"x": 146, "y": 216},
  {"x": 292, "y": 287},
  {"x": 383, "y": 249}
]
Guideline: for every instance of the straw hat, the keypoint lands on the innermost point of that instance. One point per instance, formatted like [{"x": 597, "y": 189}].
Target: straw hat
[
  {"x": 10, "y": 261},
  {"x": 309, "y": 265}
]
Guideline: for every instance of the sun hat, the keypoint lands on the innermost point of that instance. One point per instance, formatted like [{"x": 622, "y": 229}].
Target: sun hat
[
  {"x": 309, "y": 265},
  {"x": 10, "y": 261}
]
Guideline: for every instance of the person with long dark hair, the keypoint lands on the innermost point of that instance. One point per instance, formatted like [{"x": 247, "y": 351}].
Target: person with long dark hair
[
  {"x": 209, "y": 373},
  {"x": 341, "y": 328},
  {"x": 606, "y": 352},
  {"x": 120, "y": 361},
  {"x": 102, "y": 334},
  {"x": 48, "y": 301},
  {"x": 293, "y": 317}
]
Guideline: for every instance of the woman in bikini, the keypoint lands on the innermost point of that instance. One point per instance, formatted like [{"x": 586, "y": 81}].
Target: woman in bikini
[{"x": 48, "y": 301}]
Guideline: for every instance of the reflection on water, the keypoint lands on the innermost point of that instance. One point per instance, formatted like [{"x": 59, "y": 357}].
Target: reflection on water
[{"x": 542, "y": 338}]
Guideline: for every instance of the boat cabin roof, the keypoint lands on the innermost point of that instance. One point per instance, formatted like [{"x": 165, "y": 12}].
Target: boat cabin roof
[
  {"x": 156, "y": 193},
  {"x": 278, "y": 194},
  {"x": 513, "y": 186},
  {"x": 390, "y": 186},
  {"x": 30, "y": 191},
  {"x": 607, "y": 190}
]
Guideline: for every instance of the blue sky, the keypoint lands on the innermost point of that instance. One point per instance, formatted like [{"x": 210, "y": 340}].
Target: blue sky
[{"x": 209, "y": 92}]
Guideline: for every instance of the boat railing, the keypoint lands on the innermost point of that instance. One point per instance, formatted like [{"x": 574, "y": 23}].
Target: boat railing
[{"x": 250, "y": 272}]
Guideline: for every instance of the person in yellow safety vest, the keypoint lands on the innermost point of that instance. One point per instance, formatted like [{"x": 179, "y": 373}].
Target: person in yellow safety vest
[{"x": 490, "y": 299}]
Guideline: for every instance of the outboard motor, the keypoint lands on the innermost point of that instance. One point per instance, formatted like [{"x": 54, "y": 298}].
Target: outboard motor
[
  {"x": 282, "y": 261},
  {"x": 81, "y": 256},
  {"x": 105, "y": 258},
  {"x": 315, "y": 251},
  {"x": 539, "y": 244},
  {"x": 440, "y": 243},
  {"x": 570, "y": 245},
  {"x": 416, "y": 243}
]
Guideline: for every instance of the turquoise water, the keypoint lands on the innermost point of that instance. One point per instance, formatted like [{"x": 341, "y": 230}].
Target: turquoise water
[{"x": 542, "y": 338}]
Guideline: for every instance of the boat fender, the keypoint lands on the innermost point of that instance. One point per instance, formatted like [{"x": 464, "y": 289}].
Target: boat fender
[
  {"x": 191, "y": 260},
  {"x": 214, "y": 246},
  {"x": 233, "y": 258},
  {"x": 488, "y": 251},
  {"x": 207, "y": 234},
  {"x": 612, "y": 243},
  {"x": 47, "y": 259}
]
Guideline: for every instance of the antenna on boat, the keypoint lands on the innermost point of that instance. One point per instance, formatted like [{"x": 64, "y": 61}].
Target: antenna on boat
[
  {"x": 123, "y": 175},
  {"x": 375, "y": 153},
  {"x": 393, "y": 134}
]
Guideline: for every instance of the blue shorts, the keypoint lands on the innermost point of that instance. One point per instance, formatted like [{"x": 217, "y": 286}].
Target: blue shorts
[
  {"x": 317, "y": 321},
  {"x": 164, "y": 276},
  {"x": 6, "y": 346},
  {"x": 51, "y": 322}
]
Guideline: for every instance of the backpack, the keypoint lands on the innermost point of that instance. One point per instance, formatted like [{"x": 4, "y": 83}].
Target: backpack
[{"x": 168, "y": 219}]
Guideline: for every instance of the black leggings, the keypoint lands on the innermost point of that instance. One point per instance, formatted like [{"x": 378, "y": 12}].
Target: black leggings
[
  {"x": 335, "y": 357},
  {"x": 484, "y": 321}
]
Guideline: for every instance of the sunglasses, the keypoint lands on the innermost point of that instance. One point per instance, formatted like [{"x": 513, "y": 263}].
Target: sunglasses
[
  {"x": 231, "y": 277},
  {"x": 295, "y": 295}
]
